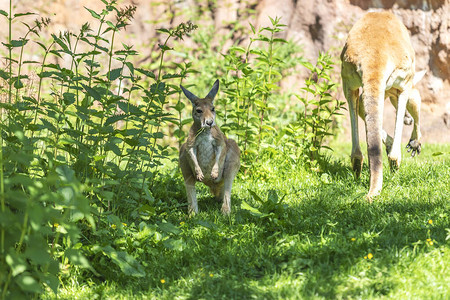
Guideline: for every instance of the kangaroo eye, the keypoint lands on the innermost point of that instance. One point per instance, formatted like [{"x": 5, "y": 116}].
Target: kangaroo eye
[
  {"x": 199, "y": 110},
  {"x": 213, "y": 109}
]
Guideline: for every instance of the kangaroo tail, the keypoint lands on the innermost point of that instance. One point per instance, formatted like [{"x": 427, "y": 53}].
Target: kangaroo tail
[{"x": 373, "y": 101}]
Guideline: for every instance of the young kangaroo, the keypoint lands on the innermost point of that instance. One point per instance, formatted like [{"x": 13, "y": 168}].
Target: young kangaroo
[
  {"x": 378, "y": 57},
  {"x": 208, "y": 156}
]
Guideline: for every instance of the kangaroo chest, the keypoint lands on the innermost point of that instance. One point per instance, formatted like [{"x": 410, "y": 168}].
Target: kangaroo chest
[{"x": 205, "y": 147}]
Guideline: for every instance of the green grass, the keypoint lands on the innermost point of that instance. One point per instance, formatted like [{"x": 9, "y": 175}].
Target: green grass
[{"x": 322, "y": 241}]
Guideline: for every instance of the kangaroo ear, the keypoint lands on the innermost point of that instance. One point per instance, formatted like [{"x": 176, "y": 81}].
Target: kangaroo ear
[
  {"x": 213, "y": 92},
  {"x": 418, "y": 76},
  {"x": 188, "y": 94}
]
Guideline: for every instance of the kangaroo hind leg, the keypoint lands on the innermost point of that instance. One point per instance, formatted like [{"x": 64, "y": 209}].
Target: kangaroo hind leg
[
  {"x": 356, "y": 156},
  {"x": 395, "y": 154},
  {"x": 189, "y": 183}
]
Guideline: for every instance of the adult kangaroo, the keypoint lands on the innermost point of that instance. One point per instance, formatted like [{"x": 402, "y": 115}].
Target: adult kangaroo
[{"x": 379, "y": 58}]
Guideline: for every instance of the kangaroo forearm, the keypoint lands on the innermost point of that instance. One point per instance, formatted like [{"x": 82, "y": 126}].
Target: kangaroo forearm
[{"x": 193, "y": 157}]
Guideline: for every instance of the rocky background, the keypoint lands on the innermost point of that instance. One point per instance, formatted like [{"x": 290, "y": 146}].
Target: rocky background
[{"x": 316, "y": 25}]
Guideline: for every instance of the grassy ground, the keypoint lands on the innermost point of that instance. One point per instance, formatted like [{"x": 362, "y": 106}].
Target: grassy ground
[{"x": 322, "y": 240}]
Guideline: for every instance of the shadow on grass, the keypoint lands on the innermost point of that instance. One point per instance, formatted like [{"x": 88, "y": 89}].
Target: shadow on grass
[{"x": 309, "y": 249}]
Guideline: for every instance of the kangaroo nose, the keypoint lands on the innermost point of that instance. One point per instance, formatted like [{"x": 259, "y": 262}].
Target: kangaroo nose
[{"x": 209, "y": 122}]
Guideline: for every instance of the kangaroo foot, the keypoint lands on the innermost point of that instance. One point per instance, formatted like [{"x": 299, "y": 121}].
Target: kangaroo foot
[
  {"x": 192, "y": 210},
  {"x": 371, "y": 195},
  {"x": 394, "y": 163},
  {"x": 226, "y": 209},
  {"x": 357, "y": 163}
]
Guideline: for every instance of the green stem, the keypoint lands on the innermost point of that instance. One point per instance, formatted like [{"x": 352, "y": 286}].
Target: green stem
[
  {"x": 2, "y": 193},
  {"x": 40, "y": 85},
  {"x": 24, "y": 230},
  {"x": 19, "y": 66},
  {"x": 10, "y": 51},
  {"x": 2, "y": 184},
  {"x": 180, "y": 126},
  {"x": 266, "y": 95},
  {"x": 5, "y": 287}
]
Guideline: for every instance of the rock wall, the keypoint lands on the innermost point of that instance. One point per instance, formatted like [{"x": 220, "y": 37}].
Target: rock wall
[{"x": 318, "y": 25}]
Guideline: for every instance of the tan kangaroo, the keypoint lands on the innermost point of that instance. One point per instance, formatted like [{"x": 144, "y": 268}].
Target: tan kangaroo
[
  {"x": 378, "y": 57},
  {"x": 208, "y": 156}
]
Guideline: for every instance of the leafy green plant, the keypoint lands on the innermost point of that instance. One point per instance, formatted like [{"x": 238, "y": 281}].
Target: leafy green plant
[
  {"x": 315, "y": 121},
  {"x": 253, "y": 74},
  {"x": 272, "y": 209},
  {"x": 86, "y": 143}
]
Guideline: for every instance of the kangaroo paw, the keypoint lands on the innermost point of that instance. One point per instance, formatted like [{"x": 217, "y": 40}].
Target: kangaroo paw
[
  {"x": 414, "y": 147},
  {"x": 388, "y": 146},
  {"x": 407, "y": 120},
  {"x": 215, "y": 172},
  {"x": 199, "y": 174}
]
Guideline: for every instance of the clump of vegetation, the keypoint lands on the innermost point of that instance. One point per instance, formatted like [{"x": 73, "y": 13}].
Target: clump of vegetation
[{"x": 79, "y": 151}]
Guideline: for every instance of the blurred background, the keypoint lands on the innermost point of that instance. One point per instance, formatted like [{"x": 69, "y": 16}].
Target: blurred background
[{"x": 316, "y": 26}]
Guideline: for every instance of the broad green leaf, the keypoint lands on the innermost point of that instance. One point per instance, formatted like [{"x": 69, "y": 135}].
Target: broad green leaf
[
  {"x": 23, "y": 14},
  {"x": 146, "y": 73},
  {"x": 69, "y": 98},
  {"x": 28, "y": 283},
  {"x": 111, "y": 25},
  {"x": 114, "y": 119},
  {"x": 51, "y": 281},
  {"x": 47, "y": 125},
  {"x": 163, "y": 30},
  {"x": 114, "y": 148},
  {"x": 174, "y": 244},
  {"x": 255, "y": 196},
  {"x": 92, "y": 92},
  {"x": 308, "y": 65},
  {"x": 18, "y": 84},
  {"x": 17, "y": 263},
  {"x": 77, "y": 258},
  {"x": 278, "y": 40},
  {"x": 253, "y": 211},
  {"x": 93, "y": 13},
  {"x": 179, "y": 106},
  {"x": 65, "y": 173},
  {"x": 114, "y": 74},
  {"x": 238, "y": 49},
  {"x": 169, "y": 228},
  {"x": 127, "y": 264},
  {"x": 164, "y": 47},
  {"x": 4, "y": 75}
]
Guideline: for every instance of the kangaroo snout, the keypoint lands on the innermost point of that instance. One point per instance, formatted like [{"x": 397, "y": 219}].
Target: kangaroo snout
[{"x": 209, "y": 122}]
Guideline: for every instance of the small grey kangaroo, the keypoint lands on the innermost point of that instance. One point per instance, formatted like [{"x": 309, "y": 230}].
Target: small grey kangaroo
[{"x": 208, "y": 156}]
